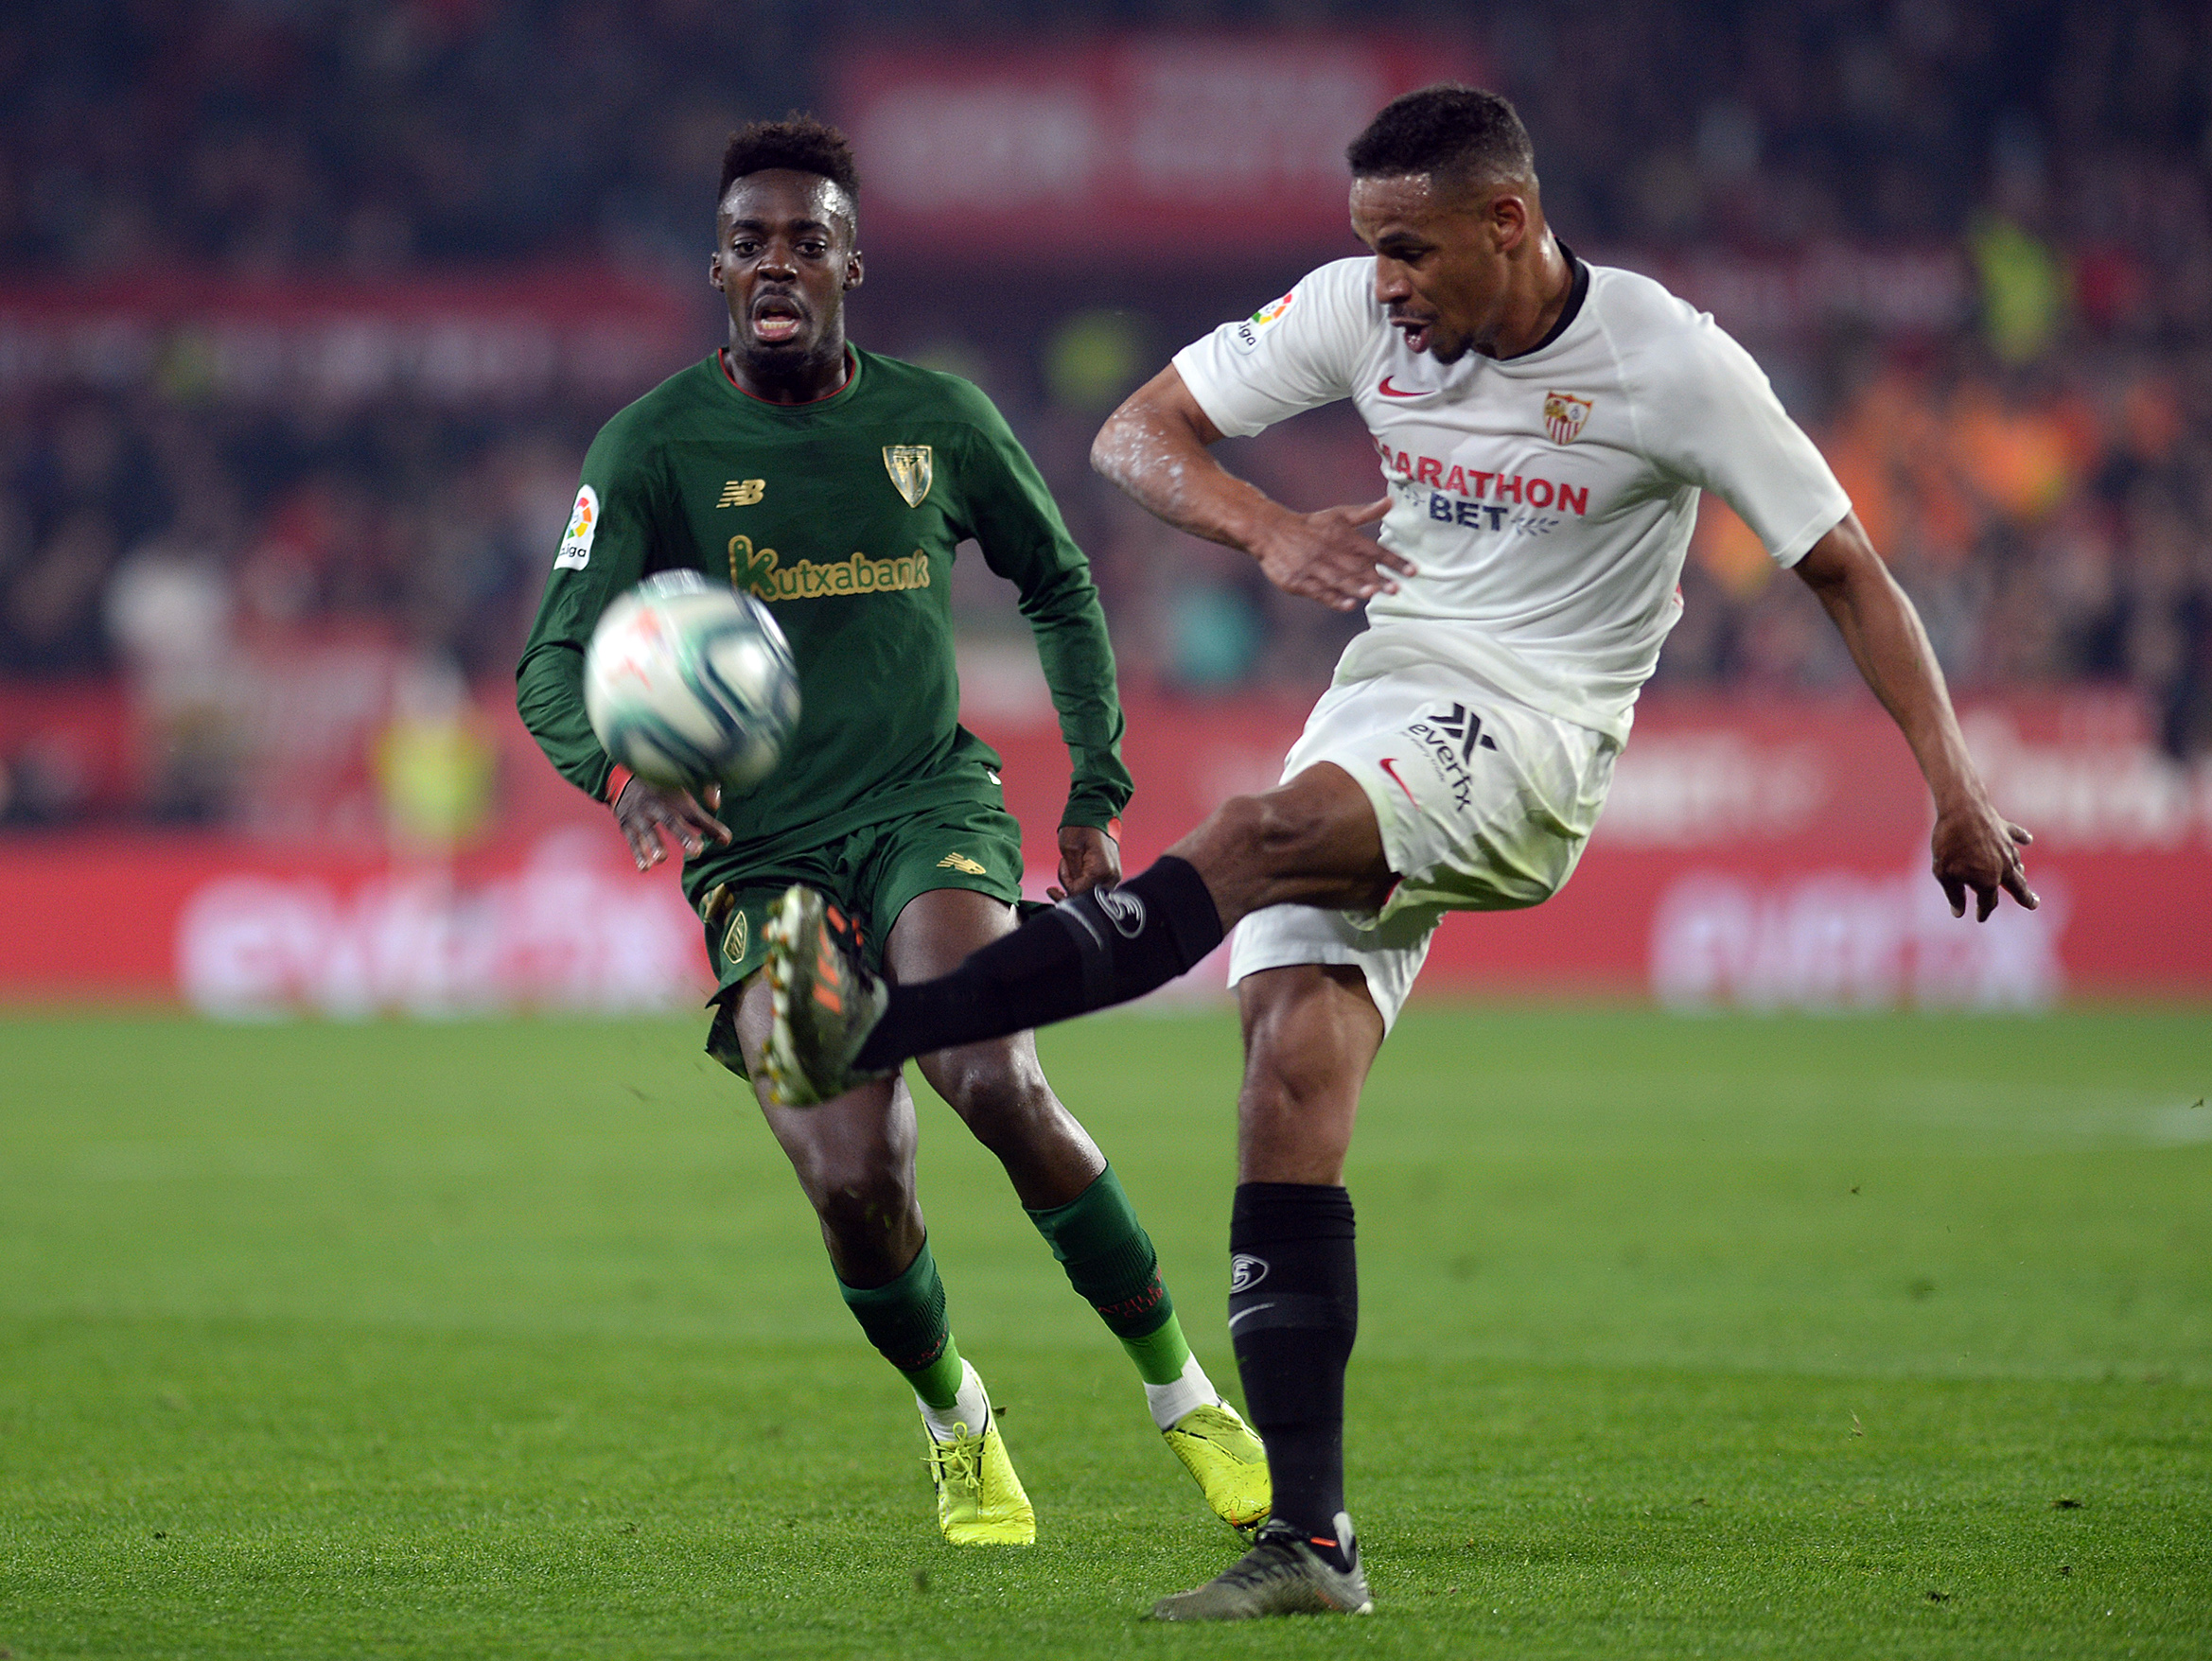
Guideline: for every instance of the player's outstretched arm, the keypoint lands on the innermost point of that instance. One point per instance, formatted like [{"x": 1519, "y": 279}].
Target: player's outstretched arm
[
  {"x": 1154, "y": 448},
  {"x": 1975, "y": 847}
]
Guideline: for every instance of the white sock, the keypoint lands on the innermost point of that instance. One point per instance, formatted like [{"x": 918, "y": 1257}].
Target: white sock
[
  {"x": 970, "y": 1408},
  {"x": 1169, "y": 1402}
]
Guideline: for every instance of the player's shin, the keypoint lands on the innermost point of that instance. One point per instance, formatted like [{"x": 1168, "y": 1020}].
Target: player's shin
[
  {"x": 904, "y": 1320},
  {"x": 1110, "y": 1261},
  {"x": 1293, "y": 1313},
  {"x": 1111, "y": 1265},
  {"x": 1098, "y": 949}
]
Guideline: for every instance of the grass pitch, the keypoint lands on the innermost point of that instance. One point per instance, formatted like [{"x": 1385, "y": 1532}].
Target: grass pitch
[{"x": 1718, "y": 1337}]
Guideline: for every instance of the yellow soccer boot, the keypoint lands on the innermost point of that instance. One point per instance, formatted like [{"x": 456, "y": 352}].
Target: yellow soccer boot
[
  {"x": 1229, "y": 1461},
  {"x": 979, "y": 1499}
]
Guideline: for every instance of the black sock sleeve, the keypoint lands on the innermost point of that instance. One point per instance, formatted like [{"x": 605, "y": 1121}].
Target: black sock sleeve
[{"x": 1095, "y": 949}]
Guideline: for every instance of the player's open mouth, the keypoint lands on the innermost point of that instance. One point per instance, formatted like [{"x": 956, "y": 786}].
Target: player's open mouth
[
  {"x": 1416, "y": 330},
  {"x": 777, "y": 320}
]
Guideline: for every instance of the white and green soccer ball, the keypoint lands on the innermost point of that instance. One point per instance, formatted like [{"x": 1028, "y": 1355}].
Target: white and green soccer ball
[{"x": 687, "y": 683}]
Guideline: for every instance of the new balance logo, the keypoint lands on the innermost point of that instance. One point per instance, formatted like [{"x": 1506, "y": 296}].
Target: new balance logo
[
  {"x": 1465, "y": 726},
  {"x": 960, "y": 861},
  {"x": 743, "y": 493}
]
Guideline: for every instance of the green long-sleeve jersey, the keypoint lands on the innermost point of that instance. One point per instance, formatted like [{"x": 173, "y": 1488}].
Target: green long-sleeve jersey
[{"x": 843, "y": 516}]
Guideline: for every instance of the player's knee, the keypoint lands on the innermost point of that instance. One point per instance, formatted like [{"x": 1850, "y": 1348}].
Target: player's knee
[
  {"x": 1304, "y": 1039},
  {"x": 1263, "y": 831},
  {"x": 997, "y": 1096},
  {"x": 857, "y": 1199},
  {"x": 1276, "y": 1086}
]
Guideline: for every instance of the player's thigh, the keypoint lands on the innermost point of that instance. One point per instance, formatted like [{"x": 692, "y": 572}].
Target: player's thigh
[
  {"x": 940, "y": 883},
  {"x": 936, "y": 930},
  {"x": 860, "y": 1143},
  {"x": 1483, "y": 803},
  {"x": 1311, "y": 1032},
  {"x": 1313, "y": 840},
  {"x": 941, "y": 887},
  {"x": 1387, "y": 952},
  {"x": 997, "y": 1085}
]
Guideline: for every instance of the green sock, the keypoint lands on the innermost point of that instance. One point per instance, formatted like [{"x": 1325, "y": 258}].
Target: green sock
[
  {"x": 905, "y": 1320},
  {"x": 939, "y": 1383},
  {"x": 1161, "y": 1356},
  {"x": 1110, "y": 1261}
]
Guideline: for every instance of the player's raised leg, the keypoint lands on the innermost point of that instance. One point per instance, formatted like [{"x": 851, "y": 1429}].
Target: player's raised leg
[
  {"x": 1313, "y": 841},
  {"x": 1078, "y": 1205}
]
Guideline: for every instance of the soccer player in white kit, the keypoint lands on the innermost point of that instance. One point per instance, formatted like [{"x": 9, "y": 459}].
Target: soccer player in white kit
[{"x": 1543, "y": 427}]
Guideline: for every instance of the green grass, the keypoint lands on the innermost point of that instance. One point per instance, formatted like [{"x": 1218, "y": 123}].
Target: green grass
[{"x": 1720, "y": 1336}]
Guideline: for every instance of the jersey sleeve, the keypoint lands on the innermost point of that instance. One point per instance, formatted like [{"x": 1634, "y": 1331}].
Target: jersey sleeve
[
  {"x": 1709, "y": 418},
  {"x": 1292, "y": 354},
  {"x": 1011, "y": 514},
  {"x": 605, "y": 550}
]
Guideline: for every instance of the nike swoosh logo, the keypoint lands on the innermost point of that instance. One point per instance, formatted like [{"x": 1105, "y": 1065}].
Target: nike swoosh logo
[
  {"x": 1243, "y": 1313},
  {"x": 1390, "y": 391},
  {"x": 1385, "y": 766}
]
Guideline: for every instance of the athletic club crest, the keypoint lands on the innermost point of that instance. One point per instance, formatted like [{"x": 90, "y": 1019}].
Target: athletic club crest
[
  {"x": 1564, "y": 414},
  {"x": 910, "y": 469}
]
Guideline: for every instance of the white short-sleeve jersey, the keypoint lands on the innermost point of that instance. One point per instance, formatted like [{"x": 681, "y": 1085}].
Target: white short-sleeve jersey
[{"x": 1546, "y": 499}]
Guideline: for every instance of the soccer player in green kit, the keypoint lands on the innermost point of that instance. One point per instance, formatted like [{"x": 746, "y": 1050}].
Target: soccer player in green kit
[{"x": 835, "y": 485}]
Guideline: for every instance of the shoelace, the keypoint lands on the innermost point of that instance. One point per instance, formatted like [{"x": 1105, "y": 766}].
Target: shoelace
[
  {"x": 958, "y": 1461},
  {"x": 1271, "y": 1555}
]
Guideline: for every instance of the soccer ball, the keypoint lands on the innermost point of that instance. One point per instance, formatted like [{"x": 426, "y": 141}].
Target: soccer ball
[{"x": 688, "y": 683}]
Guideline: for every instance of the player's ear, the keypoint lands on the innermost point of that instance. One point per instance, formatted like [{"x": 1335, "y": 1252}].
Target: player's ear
[
  {"x": 715, "y": 270},
  {"x": 1509, "y": 220},
  {"x": 852, "y": 271}
]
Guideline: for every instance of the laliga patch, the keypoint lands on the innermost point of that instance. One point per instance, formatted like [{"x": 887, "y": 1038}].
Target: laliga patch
[
  {"x": 576, "y": 540},
  {"x": 1248, "y": 332}
]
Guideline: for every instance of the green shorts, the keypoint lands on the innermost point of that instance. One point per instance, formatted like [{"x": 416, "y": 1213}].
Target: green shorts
[{"x": 870, "y": 873}]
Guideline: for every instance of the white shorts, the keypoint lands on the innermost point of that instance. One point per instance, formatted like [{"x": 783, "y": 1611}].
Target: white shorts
[{"x": 1483, "y": 804}]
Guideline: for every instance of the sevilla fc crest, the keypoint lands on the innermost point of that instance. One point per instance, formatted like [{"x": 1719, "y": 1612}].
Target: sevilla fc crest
[
  {"x": 1564, "y": 414},
  {"x": 911, "y": 470}
]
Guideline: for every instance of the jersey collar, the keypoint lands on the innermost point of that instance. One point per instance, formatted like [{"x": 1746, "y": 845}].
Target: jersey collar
[
  {"x": 851, "y": 380},
  {"x": 1577, "y": 292}
]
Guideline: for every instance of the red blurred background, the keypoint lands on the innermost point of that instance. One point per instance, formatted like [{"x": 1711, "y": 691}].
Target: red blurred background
[{"x": 306, "y": 314}]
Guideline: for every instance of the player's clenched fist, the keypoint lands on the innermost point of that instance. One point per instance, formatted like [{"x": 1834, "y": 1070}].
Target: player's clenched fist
[
  {"x": 1328, "y": 556},
  {"x": 1089, "y": 858}
]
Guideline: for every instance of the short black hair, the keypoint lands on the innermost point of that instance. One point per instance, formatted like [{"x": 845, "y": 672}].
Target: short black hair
[
  {"x": 1449, "y": 129},
  {"x": 798, "y": 142}
]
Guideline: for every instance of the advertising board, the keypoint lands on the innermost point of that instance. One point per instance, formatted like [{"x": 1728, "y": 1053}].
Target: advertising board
[{"x": 1768, "y": 855}]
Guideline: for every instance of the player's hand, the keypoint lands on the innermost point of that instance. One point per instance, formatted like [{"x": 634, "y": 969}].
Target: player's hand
[
  {"x": 648, "y": 812},
  {"x": 1978, "y": 848},
  {"x": 1088, "y": 858},
  {"x": 1325, "y": 556}
]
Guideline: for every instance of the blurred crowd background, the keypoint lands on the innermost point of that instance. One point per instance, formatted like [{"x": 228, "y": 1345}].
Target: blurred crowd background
[{"x": 1972, "y": 244}]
